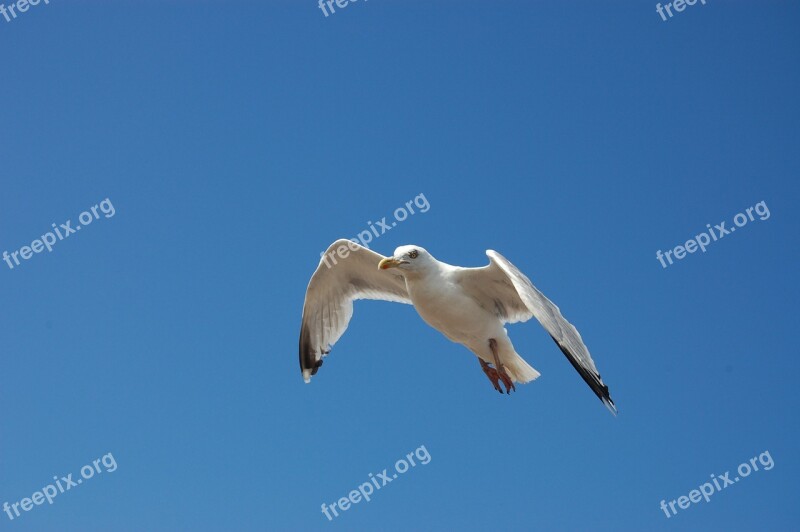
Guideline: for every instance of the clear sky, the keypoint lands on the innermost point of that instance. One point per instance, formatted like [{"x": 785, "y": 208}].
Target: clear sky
[{"x": 236, "y": 140}]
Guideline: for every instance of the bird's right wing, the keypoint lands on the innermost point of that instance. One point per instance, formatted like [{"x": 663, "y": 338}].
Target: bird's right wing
[
  {"x": 329, "y": 298},
  {"x": 501, "y": 288}
]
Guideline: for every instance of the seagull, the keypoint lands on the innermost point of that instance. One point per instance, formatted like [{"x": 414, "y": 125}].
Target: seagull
[{"x": 469, "y": 306}]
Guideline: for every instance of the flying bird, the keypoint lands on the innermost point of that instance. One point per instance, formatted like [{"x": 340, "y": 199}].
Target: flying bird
[{"x": 469, "y": 306}]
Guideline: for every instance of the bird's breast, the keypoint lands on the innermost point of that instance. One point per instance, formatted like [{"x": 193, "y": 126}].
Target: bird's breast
[{"x": 448, "y": 309}]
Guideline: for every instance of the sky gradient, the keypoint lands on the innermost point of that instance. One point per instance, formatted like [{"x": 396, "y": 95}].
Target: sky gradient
[{"x": 237, "y": 140}]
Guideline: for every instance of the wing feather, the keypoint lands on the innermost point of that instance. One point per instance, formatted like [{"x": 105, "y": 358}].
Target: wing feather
[
  {"x": 330, "y": 294},
  {"x": 502, "y": 287}
]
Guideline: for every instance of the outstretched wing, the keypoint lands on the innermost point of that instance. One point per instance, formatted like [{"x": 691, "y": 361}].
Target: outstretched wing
[
  {"x": 504, "y": 290},
  {"x": 329, "y": 298}
]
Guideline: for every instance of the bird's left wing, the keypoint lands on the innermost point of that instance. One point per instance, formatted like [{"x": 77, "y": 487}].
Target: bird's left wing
[
  {"x": 329, "y": 298},
  {"x": 505, "y": 291}
]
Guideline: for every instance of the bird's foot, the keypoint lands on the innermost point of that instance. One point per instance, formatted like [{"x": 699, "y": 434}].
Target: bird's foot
[
  {"x": 507, "y": 380},
  {"x": 496, "y": 376},
  {"x": 493, "y": 375},
  {"x": 499, "y": 369}
]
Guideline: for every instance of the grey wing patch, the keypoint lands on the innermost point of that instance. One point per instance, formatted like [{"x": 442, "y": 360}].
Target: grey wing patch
[
  {"x": 500, "y": 309},
  {"x": 493, "y": 292}
]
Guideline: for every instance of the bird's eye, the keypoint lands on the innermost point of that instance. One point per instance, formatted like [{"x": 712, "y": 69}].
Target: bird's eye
[{"x": 413, "y": 254}]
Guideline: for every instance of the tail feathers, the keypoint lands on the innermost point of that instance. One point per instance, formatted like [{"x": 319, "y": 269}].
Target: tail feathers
[{"x": 520, "y": 370}]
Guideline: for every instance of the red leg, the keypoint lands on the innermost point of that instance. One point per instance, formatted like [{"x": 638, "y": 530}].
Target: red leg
[
  {"x": 501, "y": 370},
  {"x": 492, "y": 374}
]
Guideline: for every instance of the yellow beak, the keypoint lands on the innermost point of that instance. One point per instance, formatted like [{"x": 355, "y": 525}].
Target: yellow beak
[{"x": 389, "y": 262}]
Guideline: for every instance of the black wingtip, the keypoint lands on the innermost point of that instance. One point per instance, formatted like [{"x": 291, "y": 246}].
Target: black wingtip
[
  {"x": 307, "y": 358},
  {"x": 309, "y": 365},
  {"x": 592, "y": 379}
]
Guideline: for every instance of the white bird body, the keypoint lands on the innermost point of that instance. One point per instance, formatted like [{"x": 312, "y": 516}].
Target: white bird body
[
  {"x": 451, "y": 312},
  {"x": 469, "y": 306},
  {"x": 444, "y": 306}
]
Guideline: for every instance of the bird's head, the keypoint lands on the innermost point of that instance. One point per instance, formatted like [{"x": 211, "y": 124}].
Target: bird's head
[{"x": 407, "y": 259}]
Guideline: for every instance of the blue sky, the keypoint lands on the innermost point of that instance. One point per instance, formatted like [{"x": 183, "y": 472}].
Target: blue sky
[{"x": 237, "y": 140}]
